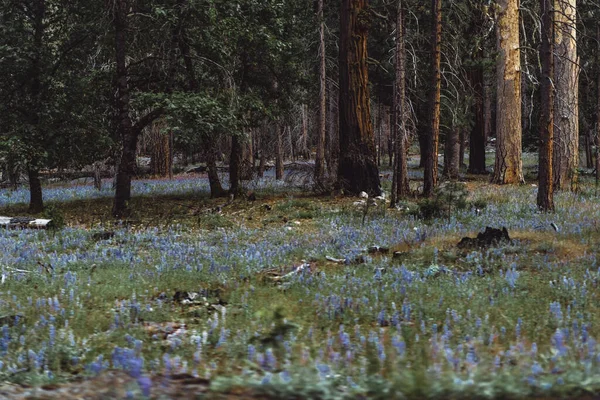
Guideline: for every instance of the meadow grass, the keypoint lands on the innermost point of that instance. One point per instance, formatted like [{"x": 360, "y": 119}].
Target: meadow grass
[{"x": 512, "y": 321}]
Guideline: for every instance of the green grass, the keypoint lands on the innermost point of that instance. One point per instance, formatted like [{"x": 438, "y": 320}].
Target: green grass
[{"x": 98, "y": 294}]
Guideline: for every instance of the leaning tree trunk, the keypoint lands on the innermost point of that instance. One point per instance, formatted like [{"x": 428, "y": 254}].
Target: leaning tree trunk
[
  {"x": 320, "y": 156},
  {"x": 431, "y": 153},
  {"x": 508, "y": 167},
  {"x": 566, "y": 80},
  {"x": 545, "y": 196},
  {"x": 400, "y": 185},
  {"x": 357, "y": 170}
]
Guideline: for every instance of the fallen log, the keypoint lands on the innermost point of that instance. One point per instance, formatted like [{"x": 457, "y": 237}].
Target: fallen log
[{"x": 25, "y": 222}]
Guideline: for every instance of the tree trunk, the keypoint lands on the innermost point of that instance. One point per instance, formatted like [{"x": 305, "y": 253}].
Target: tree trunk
[
  {"x": 545, "y": 196},
  {"x": 431, "y": 153},
  {"x": 461, "y": 151},
  {"x": 216, "y": 189},
  {"x": 279, "y": 153},
  {"x": 400, "y": 185},
  {"x": 333, "y": 134},
  {"x": 508, "y": 167},
  {"x": 320, "y": 156},
  {"x": 160, "y": 159},
  {"x": 589, "y": 155},
  {"x": 391, "y": 136},
  {"x": 36, "y": 201},
  {"x": 235, "y": 166},
  {"x": 126, "y": 165},
  {"x": 357, "y": 170},
  {"x": 566, "y": 80},
  {"x": 452, "y": 154},
  {"x": 598, "y": 111},
  {"x": 477, "y": 139}
]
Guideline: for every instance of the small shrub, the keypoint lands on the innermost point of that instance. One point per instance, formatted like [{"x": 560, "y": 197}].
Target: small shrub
[
  {"x": 56, "y": 215},
  {"x": 446, "y": 198}
]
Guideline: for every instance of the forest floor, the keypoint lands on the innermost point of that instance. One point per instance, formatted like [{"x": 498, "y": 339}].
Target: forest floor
[{"x": 301, "y": 296}]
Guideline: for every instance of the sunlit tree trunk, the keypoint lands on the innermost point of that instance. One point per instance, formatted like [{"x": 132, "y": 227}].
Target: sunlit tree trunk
[
  {"x": 320, "y": 156},
  {"x": 545, "y": 197},
  {"x": 566, "y": 80},
  {"x": 508, "y": 168},
  {"x": 431, "y": 154},
  {"x": 357, "y": 170},
  {"x": 400, "y": 185}
]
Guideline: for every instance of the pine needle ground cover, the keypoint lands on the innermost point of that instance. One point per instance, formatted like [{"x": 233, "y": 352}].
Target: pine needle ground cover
[{"x": 276, "y": 316}]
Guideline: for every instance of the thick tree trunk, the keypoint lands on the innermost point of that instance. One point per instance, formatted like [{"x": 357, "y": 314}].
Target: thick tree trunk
[
  {"x": 216, "y": 189},
  {"x": 160, "y": 158},
  {"x": 357, "y": 170},
  {"x": 279, "y": 153},
  {"x": 488, "y": 108},
  {"x": 400, "y": 185},
  {"x": 431, "y": 154},
  {"x": 545, "y": 197},
  {"x": 320, "y": 156},
  {"x": 508, "y": 167},
  {"x": 477, "y": 139},
  {"x": 566, "y": 80},
  {"x": 452, "y": 154},
  {"x": 126, "y": 165},
  {"x": 36, "y": 201}
]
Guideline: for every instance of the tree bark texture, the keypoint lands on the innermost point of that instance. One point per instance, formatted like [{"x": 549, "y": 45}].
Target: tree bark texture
[
  {"x": 216, "y": 189},
  {"x": 400, "y": 183},
  {"x": 508, "y": 168},
  {"x": 545, "y": 196},
  {"x": 235, "y": 166},
  {"x": 320, "y": 156},
  {"x": 357, "y": 169},
  {"x": 566, "y": 80},
  {"x": 36, "y": 202},
  {"x": 452, "y": 154},
  {"x": 160, "y": 157},
  {"x": 279, "y": 153},
  {"x": 333, "y": 136},
  {"x": 431, "y": 153},
  {"x": 126, "y": 165},
  {"x": 478, "y": 139}
]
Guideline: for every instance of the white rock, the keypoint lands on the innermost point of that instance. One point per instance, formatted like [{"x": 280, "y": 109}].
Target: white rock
[{"x": 363, "y": 195}]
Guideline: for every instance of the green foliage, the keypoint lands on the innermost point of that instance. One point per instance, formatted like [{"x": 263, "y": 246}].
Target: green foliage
[
  {"x": 54, "y": 212},
  {"x": 446, "y": 198}
]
